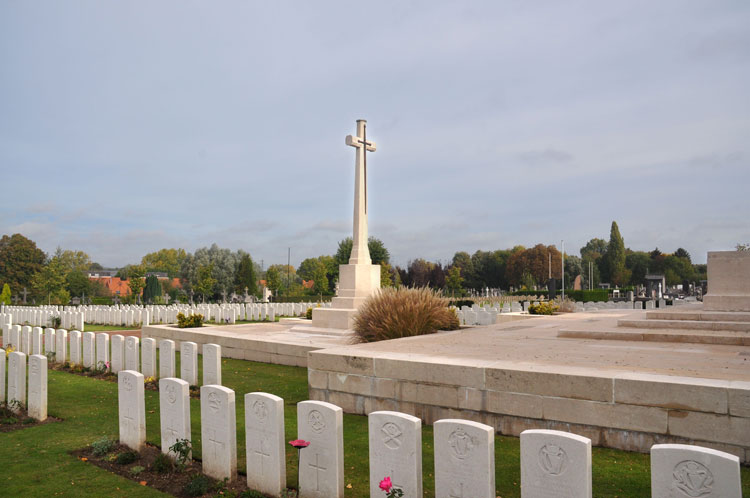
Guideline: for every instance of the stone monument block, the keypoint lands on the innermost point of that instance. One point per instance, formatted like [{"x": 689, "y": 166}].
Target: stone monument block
[
  {"x": 166, "y": 358},
  {"x": 395, "y": 451},
  {"x": 681, "y": 470},
  {"x": 218, "y": 432},
  {"x": 132, "y": 354},
  {"x": 321, "y": 468},
  {"x": 117, "y": 346},
  {"x": 132, "y": 409},
  {"x": 264, "y": 443},
  {"x": 211, "y": 364},
  {"x": 37, "y": 405},
  {"x": 148, "y": 357},
  {"x": 189, "y": 362},
  {"x": 464, "y": 459},
  {"x": 728, "y": 281},
  {"x": 555, "y": 463},
  {"x": 174, "y": 412}
]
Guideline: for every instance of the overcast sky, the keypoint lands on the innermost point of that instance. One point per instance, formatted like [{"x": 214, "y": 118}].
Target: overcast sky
[{"x": 126, "y": 127}]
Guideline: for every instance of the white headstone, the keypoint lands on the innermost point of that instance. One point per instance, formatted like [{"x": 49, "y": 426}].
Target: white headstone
[
  {"x": 148, "y": 357},
  {"x": 218, "y": 432},
  {"x": 89, "y": 350},
  {"x": 17, "y": 378},
  {"x": 2, "y": 375},
  {"x": 15, "y": 336},
  {"x": 166, "y": 358},
  {"x": 37, "y": 405},
  {"x": 464, "y": 459},
  {"x": 75, "y": 347},
  {"x": 189, "y": 362},
  {"x": 102, "y": 351},
  {"x": 395, "y": 452},
  {"x": 132, "y": 356},
  {"x": 36, "y": 340},
  {"x": 49, "y": 340},
  {"x": 174, "y": 412},
  {"x": 264, "y": 443},
  {"x": 555, "y": 463},
  {"x": 321, "y": 467},
  {"x": 132, "y": 409},
  {"x": 211, "y": 364},
  {"x": 681, "y": 470},
  {"x": 61, "y": 345},
  {"x": 117, "y": 345}
]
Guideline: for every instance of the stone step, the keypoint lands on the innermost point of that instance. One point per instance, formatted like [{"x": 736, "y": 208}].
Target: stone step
[
  {"x": 699, "y": 316},
  {"x": 725, "y": 338},
  {"x": 684, "y": 324}
]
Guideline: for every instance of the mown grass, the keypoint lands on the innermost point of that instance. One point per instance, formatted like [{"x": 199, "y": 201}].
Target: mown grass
[{"x": 35, "y": 460}]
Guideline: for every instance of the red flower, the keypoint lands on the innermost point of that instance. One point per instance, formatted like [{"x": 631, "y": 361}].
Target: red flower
[
  {"x": 386, "y": 484},
  {"x": 300, "y": 443}
]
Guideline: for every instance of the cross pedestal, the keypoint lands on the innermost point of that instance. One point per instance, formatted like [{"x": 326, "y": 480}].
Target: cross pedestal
[{"x": 360, "y": 278}]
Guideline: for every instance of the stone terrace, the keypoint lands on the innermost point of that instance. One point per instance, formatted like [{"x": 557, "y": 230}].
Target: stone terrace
[{"x": 521, "y": 375}]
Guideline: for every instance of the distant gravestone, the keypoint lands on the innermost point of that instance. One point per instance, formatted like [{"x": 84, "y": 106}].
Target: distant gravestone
[
  {"x": 132, "y": 357},
  {"x": 16, "y": 379},
  {"x": 464, "y": 459},
  {"x": 15, "y": 336},
  {"x": 681, "y": 470},
  {"x": 49, "y": 340},
  {"x": 166, "y": 358},
  {"x": 321, "y": 467},
  {"x": 148, "y": 357},
  {"x": 61, "y": 345},
  {"x": 211, "y": 364},
  {"x": 75, "y": 347},
  {"x": 37, "y": 404},
  {"x": 264, "y": 443},
  {"x": 26, "y": 339},
  {"x": 36, "y": 340},
  {"x": 117, "y": 362},
  {"x": 89, "y": 349},
  {"x": 555, "y": 463},
  {"x": 218, "y": 432},
  {"x": 395, "y": 451},
  {"x": 189, "y": 362},
  {"x": 132, "y": 409},
  {"x": 174, "y": 412},
  {"x": 102, "y": 351}
]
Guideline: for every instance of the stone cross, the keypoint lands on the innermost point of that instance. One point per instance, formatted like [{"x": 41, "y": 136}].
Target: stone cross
[
  {"x": 360, "y": 251},
  {"x": 25, "y": 293}
]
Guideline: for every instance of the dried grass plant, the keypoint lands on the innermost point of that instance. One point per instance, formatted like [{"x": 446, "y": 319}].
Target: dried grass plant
[{"x": 403, "y": 312}]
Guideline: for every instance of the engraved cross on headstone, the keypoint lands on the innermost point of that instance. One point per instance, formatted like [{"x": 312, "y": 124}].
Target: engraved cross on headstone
[
  {"x": 317, "y": 468},
  {"x": 214, "y": 443},
  {"x": 460, "y": 491},
  {"x": 262, "y": 457}
]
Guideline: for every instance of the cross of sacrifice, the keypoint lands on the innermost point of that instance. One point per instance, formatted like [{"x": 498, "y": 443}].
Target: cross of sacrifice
[
  {"x": 365, "y": 146},
  {"x": 317, "y": 468}
]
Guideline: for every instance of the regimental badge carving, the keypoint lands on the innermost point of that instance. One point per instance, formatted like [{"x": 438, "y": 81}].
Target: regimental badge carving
[
  {"x": 392, "y": 435},
  {"x": 260, "y": 410},
  {"x": 552, "y": 459},
  {"x": 171, "y": 395},
  {"x": 316, "y": 421},
  {"x": 128, "y": 383},
  {"x": 693, "y": 478},
  {"x": 461, "y": 443},
  {"x": 214, "y": 403}
]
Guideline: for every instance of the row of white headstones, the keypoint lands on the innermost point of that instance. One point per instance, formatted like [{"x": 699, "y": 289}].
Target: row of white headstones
[
  {"x": 553, "y": 463},
  {"x": 116, "y": 353},
  {"x": 36, "y": 403}
]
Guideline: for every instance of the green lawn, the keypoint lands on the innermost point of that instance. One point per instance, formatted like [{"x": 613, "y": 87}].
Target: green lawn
[{"x": 35, "y": 460}]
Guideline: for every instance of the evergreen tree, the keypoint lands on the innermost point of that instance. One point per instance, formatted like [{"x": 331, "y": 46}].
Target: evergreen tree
[
  {"x": 245, "y": 277},
  {"x": 152, "y": 290},
  {"x": 5, "y": 296},
  {"x": 615, "y": 257}
]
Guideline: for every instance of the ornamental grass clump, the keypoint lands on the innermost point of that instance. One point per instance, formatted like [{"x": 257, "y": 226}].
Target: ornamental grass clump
[{"x": 403, "y": 312}]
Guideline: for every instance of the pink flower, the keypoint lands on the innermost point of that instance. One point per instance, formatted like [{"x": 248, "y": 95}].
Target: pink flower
[
  {"x": 300, "y": 443},
  {"x": 386, "y": 484}
]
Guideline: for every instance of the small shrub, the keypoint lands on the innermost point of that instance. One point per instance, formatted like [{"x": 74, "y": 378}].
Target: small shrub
[
  {"x": 402, "y": 312},
  {"x": 28, "y": 420},
  {"x": 101, "y": 447},
  {"x": 56, "y": 322},
  {"x": 9, "y": 420},
  {"x": 188, "y": 322},
  {"x": 162, "y": 464},
  {"x": 50, "y": 356},
  {"x": 182, "y": 448},
  {"x": 308, "y": 313},
  {"x": 126, "y": 457},
  {"x": 251, "y": 493},
  {"x": 137, "y": 469},
  {"x": 545, "y": 308},
  {"x": 198, "y": 486}
]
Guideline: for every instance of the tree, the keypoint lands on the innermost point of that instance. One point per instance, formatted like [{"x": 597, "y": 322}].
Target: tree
[
  {"x": 465, "y": 265},
  {"x": 637, "y": 262},
  {"x": 245, "y": 277},
  {"x": 164, "y": 260},
  {"x": 73, "y": 260},
  {"x": 20, "y": 260},
  {"x": 136, "y": 281},
  {"x": 682, "y": 253},
  {"x": 5, "y": 295},
  {"x": 573, "y": 268},
  {"x": 386, "y": 275},
  {"x": 205, "y": 282},
  {"x": 152, "y": 290},
  {"x": 49, "y": 282},
  {"x": 378, "y": 252},
  {"x": 536, "y": 263},
  {"x": 454, "y": 281},
  {"x": 615, "y": 257},
  {"x": 319, "y": 278},
  {"x": 273, "y": 278},
  {"x": 77, "y": 283}
]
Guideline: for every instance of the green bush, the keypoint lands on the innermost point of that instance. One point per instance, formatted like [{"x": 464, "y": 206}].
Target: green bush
[
  {"x": 137, "y": 469},
  {"x": 126, "y": 457},
  {"x": 402, "y": 312},
  {"x": 189, "y": 322},
  {"x": 458, "y": 303},
  {"x": 308, "y": 313},
  {"x": 545, "y": 308},
  {"x": 198, "y": 486},
  {"x": 162, "y": 464},
  {"x": 101, "y": 447}
]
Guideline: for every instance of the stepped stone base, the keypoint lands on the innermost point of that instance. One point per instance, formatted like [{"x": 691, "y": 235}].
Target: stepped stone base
[{"x": 358, "y": 282}]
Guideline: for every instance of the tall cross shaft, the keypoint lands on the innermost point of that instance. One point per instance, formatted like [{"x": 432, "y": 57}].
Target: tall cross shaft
[{"x": 360, "y": 252}]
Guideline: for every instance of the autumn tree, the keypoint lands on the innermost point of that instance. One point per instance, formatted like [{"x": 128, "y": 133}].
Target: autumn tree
[
  {"x": 136, "y": 282},
  {"x": 454, "y": 281}
]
